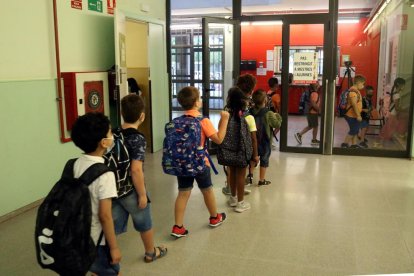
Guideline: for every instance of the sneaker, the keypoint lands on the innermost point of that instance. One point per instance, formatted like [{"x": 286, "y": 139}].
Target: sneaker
[
  {"x": 247, "y": 191},
  {"x": 344, "y": 145},
  {"x": 249, "y": 180},
  {"x": 363, "y": 145},
  {"x": 263, "y": 182},
  {"x": 242, "y": 206},
  {"x": 216, "y": 221},
  {"x": 179, "y": 232},
  {"x": 226, "y": 190},
  {"x": 232, "y": 201},
  {"x": 298, "y": 138},
  {"x": 355, "y": 146},
  {"x": 315, "y": 142}
]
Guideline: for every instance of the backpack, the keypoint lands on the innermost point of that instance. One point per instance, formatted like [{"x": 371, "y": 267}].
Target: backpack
[
  {"x": 119, "y": 162},
  {"x": 260, "y": 120},
  {"x": 183, "y": 154},
  {"x": 343, "y": 102},
  {"x": 63, "y": 223},
  {"x": 236, "y": 149},
  {"x": 304, "y": 102}
]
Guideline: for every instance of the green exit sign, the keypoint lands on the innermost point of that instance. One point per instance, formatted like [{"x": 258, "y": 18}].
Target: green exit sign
[{"x": 95, "y": 5}]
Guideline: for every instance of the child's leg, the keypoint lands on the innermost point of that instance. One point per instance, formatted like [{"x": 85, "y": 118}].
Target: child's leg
[
  {"x": 262, "y": 173},
  {"x": 306, "y": 129},
  {"x": 148, "y": 240},
  {"x": 180, "y": 205},
  {"x": 239, "y": 182},
  {"x": 232, "y": 181},
  {"x": 314, "y": 133},
  {"x": 210, "y": 201}
]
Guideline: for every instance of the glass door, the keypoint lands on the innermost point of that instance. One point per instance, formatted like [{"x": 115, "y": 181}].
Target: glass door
[
  {"x": 305, "y": 86},
  {"x": 220, "y": 64}
]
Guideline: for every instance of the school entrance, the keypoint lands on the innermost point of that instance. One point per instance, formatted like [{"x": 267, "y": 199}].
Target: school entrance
[{"x": 326, "y": 45}]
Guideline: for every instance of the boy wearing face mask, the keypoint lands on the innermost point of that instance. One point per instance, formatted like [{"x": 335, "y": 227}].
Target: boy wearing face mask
[
  {"x": 136, "y": 203},
  {"x": 365, "y": 114}
]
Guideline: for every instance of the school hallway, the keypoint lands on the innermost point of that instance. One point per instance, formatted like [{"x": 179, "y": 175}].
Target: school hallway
[{"x": 322, "y": 215}]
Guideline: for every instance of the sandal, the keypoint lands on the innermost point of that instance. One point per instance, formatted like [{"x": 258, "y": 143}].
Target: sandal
[{"x": 150, "y": 257}]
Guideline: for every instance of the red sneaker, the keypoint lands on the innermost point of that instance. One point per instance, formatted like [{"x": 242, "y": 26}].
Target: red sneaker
[
  {"x": 216, "y": 221},
  {"x": 179, "y": 232}
]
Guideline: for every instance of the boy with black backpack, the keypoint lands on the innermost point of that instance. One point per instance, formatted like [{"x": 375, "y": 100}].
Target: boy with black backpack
[
  {"x": 185, "y": 155},
  {"x": 266, "y": 121},
  {"x": 132, "y": 198},
  {"x": 84, "y": 219}
]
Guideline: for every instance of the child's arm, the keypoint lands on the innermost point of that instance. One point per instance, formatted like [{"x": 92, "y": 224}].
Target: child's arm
[
  {"x": 105, "y": 217},
  {"x": 355, "y": 107},
  {"x": 222, "y": 128},
  {"x": 255, "y": 156},
  {"x": 137, "y": 175}
]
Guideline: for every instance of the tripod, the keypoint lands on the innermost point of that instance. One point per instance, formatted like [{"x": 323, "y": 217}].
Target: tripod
[{"x": 348, "y": 75}]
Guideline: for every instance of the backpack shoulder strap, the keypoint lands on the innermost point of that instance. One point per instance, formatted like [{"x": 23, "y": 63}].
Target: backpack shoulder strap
[
  {"x": 68, "y": 170},
  {"x": 93, "y": 172}
]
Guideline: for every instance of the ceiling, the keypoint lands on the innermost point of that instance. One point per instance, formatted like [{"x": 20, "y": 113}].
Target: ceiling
[{"x": 224, "y": 7}]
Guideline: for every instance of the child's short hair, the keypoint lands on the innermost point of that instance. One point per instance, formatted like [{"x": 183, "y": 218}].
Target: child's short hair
[
  {"x": 132, "y": 107},
  {"x": 272, "y": 82},
  {"x": 188, "y": 96},
  {"x": 314, "y": 87},
  {"x": 259, "y": 97},
  {"x": 246, "y": 83},
  {"x": 89, "y": 129},
  {"x": 359, "y": 79},
  {"x": 369, "y": 87}
]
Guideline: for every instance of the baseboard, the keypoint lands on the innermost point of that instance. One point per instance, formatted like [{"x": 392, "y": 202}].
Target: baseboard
[{"x": 20, "y": 211}]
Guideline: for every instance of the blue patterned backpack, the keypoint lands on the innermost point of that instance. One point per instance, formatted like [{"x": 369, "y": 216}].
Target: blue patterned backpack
[{"x": 183, "y": 154}]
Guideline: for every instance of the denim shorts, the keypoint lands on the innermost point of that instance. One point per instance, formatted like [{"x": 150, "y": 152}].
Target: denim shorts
[
  {"x": 203, "y": 180},
  {"x": 102, "y": 266},
  {"x": 364, "y": 123},
  {"x": 123, "y": 207},
  {"x": 264, "y": 149},
  {"x": 353, "y": 124}
]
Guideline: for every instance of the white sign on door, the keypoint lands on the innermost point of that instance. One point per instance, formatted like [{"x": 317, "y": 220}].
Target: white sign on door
[{"x": 305, "y": 68}]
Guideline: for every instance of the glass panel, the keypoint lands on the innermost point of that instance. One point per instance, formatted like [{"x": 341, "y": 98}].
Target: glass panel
[
  {"x": 380, "y": 49},
  {"x": 261, "y": 47},
  {"x": 221, "y": 67},
  {"x": 262, "y": 7},
  {"x": 305, "y": 94}
]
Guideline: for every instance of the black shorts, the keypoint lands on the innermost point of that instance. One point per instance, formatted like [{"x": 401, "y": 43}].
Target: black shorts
[{"x": 312, "y": 120}]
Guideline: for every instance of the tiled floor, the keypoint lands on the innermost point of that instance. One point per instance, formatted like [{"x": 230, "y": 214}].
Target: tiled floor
[{"x": 322, "y": 215}]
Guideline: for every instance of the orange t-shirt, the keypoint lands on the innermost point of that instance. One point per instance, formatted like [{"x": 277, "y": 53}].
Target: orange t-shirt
[
  {"x": 275, "y": 100},
  {"x": 353, "y": 93},
  {"x": 207, "y": 128}
]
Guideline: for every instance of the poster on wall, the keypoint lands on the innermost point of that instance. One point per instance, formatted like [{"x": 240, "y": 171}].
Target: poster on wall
[
  {"x": 110, "y": 4},
  {"x": 95, "y": 5},
  {"x": 305, "y": 68},
  {"x": 76, "y": 4}
]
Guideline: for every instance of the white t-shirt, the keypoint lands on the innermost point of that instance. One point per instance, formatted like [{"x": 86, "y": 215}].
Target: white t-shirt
[{"x": 102, "y": 188}]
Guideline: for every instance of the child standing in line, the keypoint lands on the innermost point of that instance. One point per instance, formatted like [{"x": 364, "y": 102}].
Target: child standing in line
[
  {"x": 189, "y": 99},
  {"x": 136, "y": 202},
  {"x": 92, "y": 134},
  {"x": 365, "y": 114},
  {"x": 265, "y": 120},
  {"x": 237, "y": 102}
]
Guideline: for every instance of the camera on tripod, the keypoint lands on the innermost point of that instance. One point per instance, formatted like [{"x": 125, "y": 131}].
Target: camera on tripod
[{"x": 348, "y": 63}]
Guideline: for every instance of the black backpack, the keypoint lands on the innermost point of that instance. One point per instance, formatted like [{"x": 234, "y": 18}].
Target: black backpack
[
  {"x": 260, "y": 120},
  {"x": 236, "y": 149},
  {"x": 63, "y": 224},
  {"x": 119, "y": 162}
]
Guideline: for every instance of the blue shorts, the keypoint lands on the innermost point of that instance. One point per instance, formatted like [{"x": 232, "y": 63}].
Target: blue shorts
[
  {"x": 203, "y": 180},
  {"x": 364, "y": 123},
  {"x": 353, "y": 124},
  {"x": 264, "y": 149},
  {"x": 123, "y": 207},
  {"x": 102, "y": 266}
]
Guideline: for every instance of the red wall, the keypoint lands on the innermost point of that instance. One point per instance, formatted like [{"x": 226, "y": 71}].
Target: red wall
[{"x": 363, "y": 51}]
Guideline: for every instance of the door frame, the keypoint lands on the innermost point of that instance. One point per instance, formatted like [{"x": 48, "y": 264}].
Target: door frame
[{"x": 206, "y": 55}]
